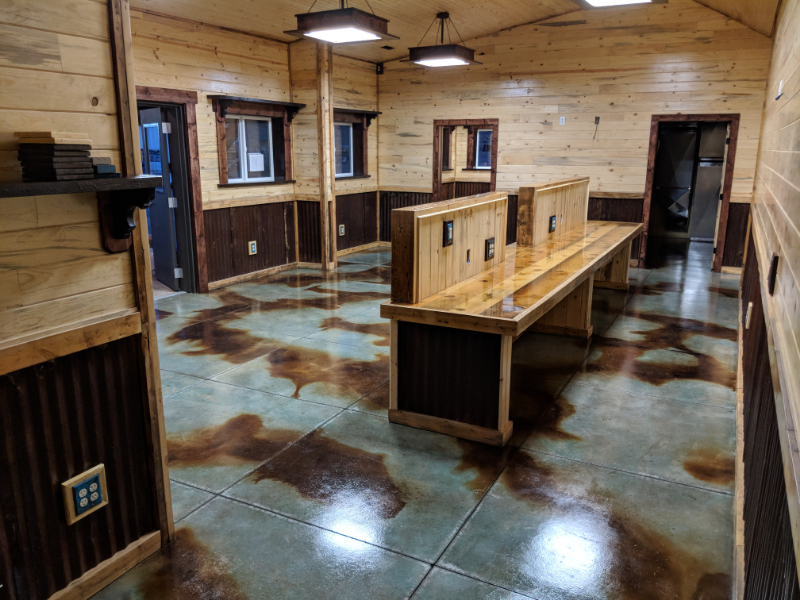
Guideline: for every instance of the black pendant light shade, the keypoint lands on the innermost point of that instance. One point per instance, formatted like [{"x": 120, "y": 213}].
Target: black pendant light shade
[{"x": 342, "y": 26}]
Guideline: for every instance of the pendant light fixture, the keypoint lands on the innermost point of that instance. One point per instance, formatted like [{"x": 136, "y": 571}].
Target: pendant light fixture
[
  {"x": 441, "y": 54},
  {"x": 342, "y": 26}
]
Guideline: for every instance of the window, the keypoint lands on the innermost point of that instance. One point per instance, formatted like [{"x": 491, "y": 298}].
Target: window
[
  {"x": 483, "y": 149},
  {"x": 248, "y": 144},
  {"x": 446, "y": 144},
  {"x": 343, "y": 152}
]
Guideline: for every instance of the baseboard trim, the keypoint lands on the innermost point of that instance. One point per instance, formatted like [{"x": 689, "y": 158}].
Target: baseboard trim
[
  {"x": 213, "y": 285},
  {"x": 476, "y": 433},
  {"x": 360, "y": 248},
  {"x": 95, "y": 579}
]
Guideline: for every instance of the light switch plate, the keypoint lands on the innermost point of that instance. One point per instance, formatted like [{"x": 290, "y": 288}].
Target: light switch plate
[
  {"x": 85, "y": 494},
  {"x": 562, "y": 120},
  {"x": 552, "y": 224},
  {"x": 341, "y": 230},
  {"x": 489, "y": 254},
  {"x": 252, "y": 248},
  {"x": 447, "y": 234}
]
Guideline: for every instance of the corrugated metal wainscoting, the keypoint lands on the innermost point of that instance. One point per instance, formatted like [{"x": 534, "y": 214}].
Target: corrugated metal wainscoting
[
  {"x": 770, "y": 568},
  {"x": 391, "y": 200},
  {"x": 358, "y": 214},
  {"x": 58, "y": 419}
]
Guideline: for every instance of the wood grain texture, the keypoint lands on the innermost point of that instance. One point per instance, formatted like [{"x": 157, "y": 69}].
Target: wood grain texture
[
  {"x": 567, "y": 201},
  {"x": 422, "y": 265},
  {"x": 620, "y": 64},
  {"x": 775, "y": 215},
  {"x": 510, "y": 297},
  {"x": 756, "y": 14}
]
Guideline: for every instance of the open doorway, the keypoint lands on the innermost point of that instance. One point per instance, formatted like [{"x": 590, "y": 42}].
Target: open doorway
[
  {"x": 464, "y": 157},
  {"x": 162, "y": 138},
  {"x": 689, "y": 177}
]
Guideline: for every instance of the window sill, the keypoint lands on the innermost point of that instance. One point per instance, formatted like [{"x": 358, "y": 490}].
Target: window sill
[
  {"x": 446, "y": 170},
  {"x": 255, "y": 183},
  {"x": 348, "y": 177},
  {"x": 486, "y": 169}
]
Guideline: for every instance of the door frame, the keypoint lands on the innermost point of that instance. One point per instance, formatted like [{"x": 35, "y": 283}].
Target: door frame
[
  {"x": 733, "y": 121},
  {"x": 188, "y": 100},
  {"x": 492, "y": 124}
]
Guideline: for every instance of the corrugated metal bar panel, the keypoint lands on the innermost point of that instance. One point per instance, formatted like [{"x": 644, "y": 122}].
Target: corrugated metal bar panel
[
  {"x": 57, "y": 420},
  {"x": 391, "y": 200}
]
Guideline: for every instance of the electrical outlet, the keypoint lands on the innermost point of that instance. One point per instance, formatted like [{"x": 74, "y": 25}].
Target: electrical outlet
[
  {"x": 447, "y": 234},
  {"x": 85, "y": 493},
  {"x": 552, "y": 224},
  {"x": 341, "y": 230},
  {"x": 562, "y": 120},
  {"x": 252, "y": 248},
  {"x": 489, "y": 253}
]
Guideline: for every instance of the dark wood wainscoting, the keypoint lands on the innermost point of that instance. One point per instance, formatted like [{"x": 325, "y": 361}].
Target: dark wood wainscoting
[
  {"x": 738, "y": 217},
  {"x": 359, "y": 215},
  {"x": 618, "y": 208},
  {"x": 228, "y": 231},
  {"x": 449, "y": 190},
  {"x": 391, "y": 200},
  {"x": 308, "y": 233},
  {"x": 511, "y": 229},
  {"x": 58, "y": 419},
  {"x": 770, "y": 568},
  {"x": 470, "y": 188}
]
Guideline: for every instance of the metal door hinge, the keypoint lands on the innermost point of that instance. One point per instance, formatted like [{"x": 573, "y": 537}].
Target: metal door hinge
[
  {"x": 172, "y": 202},
  {"x": 747, "y": 316},
  {"x": 727, "y": 141},
  {"x": 166, "y": 127},
  {"x": 721, "y": 196},
  {"x": 178, "y": 273}
]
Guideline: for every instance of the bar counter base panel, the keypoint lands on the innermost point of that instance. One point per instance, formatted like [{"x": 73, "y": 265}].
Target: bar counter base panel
[{"x": 475, "y": 433}]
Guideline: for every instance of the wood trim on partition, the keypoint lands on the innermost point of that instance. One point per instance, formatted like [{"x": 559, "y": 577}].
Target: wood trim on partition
[
  {"x": 188, "y": 99},
  {"x": 122, "y": 55},
  {"x": 93, "y": 333},
  {"x": 469, "y": 123},
  {"x": 110, "y": 569},
  {"x": 733, "y": 119}
]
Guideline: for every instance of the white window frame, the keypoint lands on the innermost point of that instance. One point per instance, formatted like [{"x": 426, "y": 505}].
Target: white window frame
[
  {"x": 352, "y": 157},
  {"x": 240, "y": 120},
  {"x": 477, "y": 149}
]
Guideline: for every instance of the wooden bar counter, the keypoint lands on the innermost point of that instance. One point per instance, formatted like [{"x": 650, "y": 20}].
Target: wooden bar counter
[{"x": 451, "y": 351}]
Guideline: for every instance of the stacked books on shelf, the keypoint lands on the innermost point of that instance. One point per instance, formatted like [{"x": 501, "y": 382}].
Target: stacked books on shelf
[{"x": 60, "y": 156}]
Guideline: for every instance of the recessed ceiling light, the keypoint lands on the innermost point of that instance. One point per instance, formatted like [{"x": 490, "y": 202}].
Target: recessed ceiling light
[
  {"x": 342, "y": 26},
  {"x": 603, "y": 3}
]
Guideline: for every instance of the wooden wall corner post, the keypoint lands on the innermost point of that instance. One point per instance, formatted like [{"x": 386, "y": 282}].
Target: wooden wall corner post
[
  {"x": 327, "y": 176},
  {"x": 143, "y": 283}
]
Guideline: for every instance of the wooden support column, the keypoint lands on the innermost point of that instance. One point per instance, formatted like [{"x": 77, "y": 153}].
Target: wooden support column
[
  {"x": 143, "y": 282},
  {"x": 614, "y": 276},
  {"x": 572, "y": 317},
  {"x": 327, "y": 177}
]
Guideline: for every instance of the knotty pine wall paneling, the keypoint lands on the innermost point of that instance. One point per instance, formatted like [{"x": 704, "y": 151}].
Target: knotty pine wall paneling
[
  {"x": 180, "y": 54},
  {"x": 355, "y": 86},
  {"x": 620, "y": 64},
  {"x": 775, "y": 217}
]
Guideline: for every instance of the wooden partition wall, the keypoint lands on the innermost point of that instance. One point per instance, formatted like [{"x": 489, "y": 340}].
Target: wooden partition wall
[
  {"x": 567, "y": 200},
  {"x": 422, "y": 266}
]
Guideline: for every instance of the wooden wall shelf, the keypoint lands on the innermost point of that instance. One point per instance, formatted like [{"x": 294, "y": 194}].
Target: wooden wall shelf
[
  {"x": 225, "y": 103},
  {"x": 81, "y": 186}
]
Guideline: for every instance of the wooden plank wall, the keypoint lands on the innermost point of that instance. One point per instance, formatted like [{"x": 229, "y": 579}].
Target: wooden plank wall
[
  {"x": 355, "y": 86},
  {"x": 565, "y": 200},
  {"x": 776, "y": 230},
  {"x": 305, "y": 126},
  {"x": 620, "y": 64},
  {"x": 177, "y": 54},
  {"x": 57, "y": 74}
]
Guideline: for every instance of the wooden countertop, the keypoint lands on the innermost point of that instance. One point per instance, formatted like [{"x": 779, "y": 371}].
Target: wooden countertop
[{"x": 510, "y": 297}]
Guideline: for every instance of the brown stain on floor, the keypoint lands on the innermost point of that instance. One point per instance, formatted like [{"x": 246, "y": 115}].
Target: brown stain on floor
[
  {"x": 323, "y": 469},
  {"x": 711, "y": 466},
  {"x": 727, "y": 292},
  {"x": 671, "y": 335},
  {"x": 240, "y": 439},
  {"x": 639, "y": 562},
  {"x": 656, "y": 289},
  {"x": 215, "y": 338},
  {"x": 191, "y": 571},
  {"x": 379, "y": 398},
  {"x": 376, "y": 274},
  {"x": 304, "y": 366},
  {"x": 162, "y": 314},
  {"x": 485, "y": 462},
  {"x": 550, "y": 425},
  {"x": 381, "y": 330}
]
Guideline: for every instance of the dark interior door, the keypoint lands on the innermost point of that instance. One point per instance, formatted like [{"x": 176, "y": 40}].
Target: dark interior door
[
  {"x": 160, "y": 215},
  {"x": 672, "y": 183}
]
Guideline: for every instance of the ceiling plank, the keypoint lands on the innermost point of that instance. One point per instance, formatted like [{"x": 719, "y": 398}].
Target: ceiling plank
[{"x": 758, "y": 15}]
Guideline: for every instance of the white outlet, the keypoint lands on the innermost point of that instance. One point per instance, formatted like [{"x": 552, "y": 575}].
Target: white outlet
[
  {"x": 562, "y": 120},
  {"x": 252, "y": 248},
  {"x": 341, "y": 230}
]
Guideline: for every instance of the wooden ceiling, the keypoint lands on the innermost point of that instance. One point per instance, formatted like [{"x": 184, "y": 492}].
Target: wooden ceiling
[{"x": 408, "y": 19}]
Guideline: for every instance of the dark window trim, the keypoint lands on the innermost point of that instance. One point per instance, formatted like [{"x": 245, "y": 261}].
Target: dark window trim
[
  {"x": 247, "y": 107},
  {"x": 361, "y": 120}
]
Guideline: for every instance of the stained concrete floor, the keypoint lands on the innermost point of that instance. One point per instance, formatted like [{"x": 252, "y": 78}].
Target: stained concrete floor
[{"x": 289, "y": 482}]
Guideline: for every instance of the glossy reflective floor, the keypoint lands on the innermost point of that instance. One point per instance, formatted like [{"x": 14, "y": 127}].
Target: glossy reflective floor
[{"x": 289, "y": 482}]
